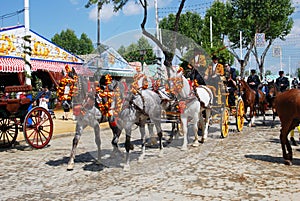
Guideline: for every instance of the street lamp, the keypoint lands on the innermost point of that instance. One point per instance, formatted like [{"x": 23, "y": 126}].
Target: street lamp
[{"x": 142, "y": 54}]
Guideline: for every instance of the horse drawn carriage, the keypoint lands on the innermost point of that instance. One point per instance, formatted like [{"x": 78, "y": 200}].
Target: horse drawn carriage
[
  {"x": 237, "y": 110},
  {"x": 18, "y": 115}
]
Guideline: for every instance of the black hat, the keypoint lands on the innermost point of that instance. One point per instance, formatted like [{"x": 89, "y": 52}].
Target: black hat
[
  {"x": 214, "y": 57},
  {"x": 281, "y": 72},
  {"x": 253, "y": 71}
]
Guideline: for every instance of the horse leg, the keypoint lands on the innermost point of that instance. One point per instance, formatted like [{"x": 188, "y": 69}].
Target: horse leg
[
  {"x": 128, "y": 147},
  {"x": 153, "y": 140},
  {"x": 252, "y": 116},
  {"x": 143, "y": 139},
  {"x": 199, "y": 123},
  {"x": 79, "y": 130},
  {"x": 116, "y": 134},
  {"x": 273, "y": 121},
  {"x": 284, "y": 140},
  {"x": 159, "y": 133},
  {"x": 97, "y": 140},
  {"x": 205, "y": 125},
  {"x": 184, "y": 129}
]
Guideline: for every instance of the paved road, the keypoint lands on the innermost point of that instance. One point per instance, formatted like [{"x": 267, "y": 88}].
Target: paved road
[{"x": 244, "y": 166}]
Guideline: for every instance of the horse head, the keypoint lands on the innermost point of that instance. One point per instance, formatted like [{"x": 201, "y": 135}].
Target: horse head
[{"x": 178, "y": 83}]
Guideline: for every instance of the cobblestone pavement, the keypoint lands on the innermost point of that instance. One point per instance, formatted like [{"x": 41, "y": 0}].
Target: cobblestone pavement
[{"x": 243, "y": 166}]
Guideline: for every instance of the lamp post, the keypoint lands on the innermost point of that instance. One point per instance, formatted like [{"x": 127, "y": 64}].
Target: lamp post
[{"x": 142, "y": 54}]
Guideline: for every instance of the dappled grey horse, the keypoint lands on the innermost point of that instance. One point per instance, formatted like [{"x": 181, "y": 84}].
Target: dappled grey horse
[
  {"x": 88, "y": 114},
  {"x": 138, "y": 109}
]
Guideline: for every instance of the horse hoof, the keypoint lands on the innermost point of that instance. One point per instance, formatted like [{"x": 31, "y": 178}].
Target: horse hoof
[
  {"x": 288, "y": 162},
  {"x": 126, "y": 168},
  {"x": 195, "y": 143},
  {"x": 70, "y": 167},
  {"x": 161, "y": 154},
  {"x": 141, "y": 159},
  {"x": 184, "y": 148}
]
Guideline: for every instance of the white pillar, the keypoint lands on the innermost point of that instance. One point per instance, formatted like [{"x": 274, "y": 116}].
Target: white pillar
[
  {"x": 210, "y": 28},
  {"x": 241, "y": 45},
  {"x": 27, "y": 69}
]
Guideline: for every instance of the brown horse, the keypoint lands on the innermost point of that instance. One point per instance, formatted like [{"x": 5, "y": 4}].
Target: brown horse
[
  {"x": 287, "y": 105},
  {"x": 273, "y": 92},
  {"x": 248, "y": 96}
]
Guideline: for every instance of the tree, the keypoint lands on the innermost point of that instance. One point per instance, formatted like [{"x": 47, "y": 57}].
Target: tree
[
  {"x": 168, "y": 51},
  {"x": 190, "y": 25},
  {"x": 140, "y": 51},
  {"x": 220, "y": 25},
  {"x": 255, "y": 16},
  {"x": 69, "y": 41},
  {"x": 85, "y": 45}
]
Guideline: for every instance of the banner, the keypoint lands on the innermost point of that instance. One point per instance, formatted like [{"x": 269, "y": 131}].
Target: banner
[
  {"x": 260, "y": 40},
  {"x": 276, "y": 51}
]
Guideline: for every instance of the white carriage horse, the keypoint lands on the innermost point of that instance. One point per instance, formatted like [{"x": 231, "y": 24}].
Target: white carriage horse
[
  {"x": 192, "y": 102},
  {"x": 137, "y": 109}
]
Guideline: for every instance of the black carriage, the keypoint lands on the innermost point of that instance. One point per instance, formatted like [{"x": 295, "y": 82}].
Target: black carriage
[{"x": 19, "y": 115}]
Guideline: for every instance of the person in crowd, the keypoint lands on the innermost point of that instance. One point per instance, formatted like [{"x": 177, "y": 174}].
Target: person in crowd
[
  {"x": 230, "y": 75},
  {"x": 282, "y": 82},
  {"x": 214, "y": 70},
  {"x": 254, "y": 81},
  {"x": 214, "y": 74},
  {"x": 295, "y": 83},
  {"x": 43, "y": 102},
  {"x": 6, "y": 95}
]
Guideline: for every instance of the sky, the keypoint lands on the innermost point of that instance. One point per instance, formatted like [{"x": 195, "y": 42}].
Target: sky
[{"x": 48, "y": 18}]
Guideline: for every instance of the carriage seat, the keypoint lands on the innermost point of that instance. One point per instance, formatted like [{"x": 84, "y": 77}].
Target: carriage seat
[
  {"x": 20, "y": 88},
  {"x": 13, "y": 105}
]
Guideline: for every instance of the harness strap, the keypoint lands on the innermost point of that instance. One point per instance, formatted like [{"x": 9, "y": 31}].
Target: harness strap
[{"x": 137, "y": 107}]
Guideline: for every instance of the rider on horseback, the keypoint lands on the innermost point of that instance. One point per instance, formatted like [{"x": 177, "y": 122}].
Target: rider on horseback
[
  {"x": 282, "y": 82},
  {"x": 254, "y": 81}
]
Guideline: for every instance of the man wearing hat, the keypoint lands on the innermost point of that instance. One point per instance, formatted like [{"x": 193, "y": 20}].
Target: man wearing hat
[
  {"x": 282, "y": 82},
  {"x": 253, "y": 82},
  {"x": 215, "y": 69}
]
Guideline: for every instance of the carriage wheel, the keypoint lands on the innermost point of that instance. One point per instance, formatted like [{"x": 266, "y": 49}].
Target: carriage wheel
[
  {"x": 240, "y": 115},
  {"x": 38, "y": 127},
  {"x": 8, "y": 132},
  {"x": 224, "y": 123}
]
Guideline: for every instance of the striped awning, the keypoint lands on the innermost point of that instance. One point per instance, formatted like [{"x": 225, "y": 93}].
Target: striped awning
[
  {"x": 12, "y": 65},
  {"x": 16, "y": 65}
]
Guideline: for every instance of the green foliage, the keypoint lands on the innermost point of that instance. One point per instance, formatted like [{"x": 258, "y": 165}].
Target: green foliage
[
  {"x": 140, "y": 51},
  {"x": 268, "y": 72},
  {"x": 69, "y": 41},
  {"x": 118, "y": 4},
  {"x": 256, "y": 16},
  {"x": 190, "y": 25}
]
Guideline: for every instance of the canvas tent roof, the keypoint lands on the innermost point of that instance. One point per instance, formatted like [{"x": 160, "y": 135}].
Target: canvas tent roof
[
  {"x": 106, "y": 60},
  {"x": 45, "y": 54}
]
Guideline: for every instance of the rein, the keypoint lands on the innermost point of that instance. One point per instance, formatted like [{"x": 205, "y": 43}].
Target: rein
[{"x": 137, "y": 107}]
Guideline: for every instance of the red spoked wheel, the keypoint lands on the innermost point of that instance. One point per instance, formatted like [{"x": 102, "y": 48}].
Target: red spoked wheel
[
  {"x": 8, "y": 132},
  {"x": 38, "y": 127}
]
